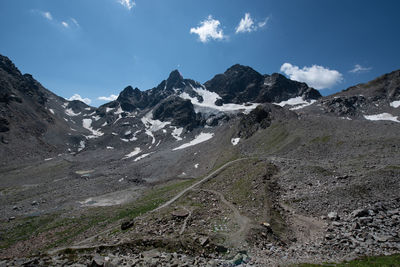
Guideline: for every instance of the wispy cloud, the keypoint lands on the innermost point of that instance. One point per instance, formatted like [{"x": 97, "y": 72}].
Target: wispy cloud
[
  {"x": 78, "y": 97},
  {"x": 68, "y": 23},
  {"x": 75, "y": 22},
  {"x": 46, "y": 15},
  {"x": 358, "y": 68},
  {"x": 108, "y": 98},
  {"x": 208, "y": 29},
  {"x": 64, "y": 24},
  {"x": 129, "y": 4},
  {"x": 315, "y": 76},
  {"x": 248, "y": 24}
]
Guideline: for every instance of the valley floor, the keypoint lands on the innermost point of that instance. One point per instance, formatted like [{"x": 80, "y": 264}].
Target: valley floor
[{"x": 302, "y": 191}]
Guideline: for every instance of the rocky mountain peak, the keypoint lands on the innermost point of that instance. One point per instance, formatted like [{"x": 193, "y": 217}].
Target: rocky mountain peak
[
  {"x": 9, "y": 67},
  {"x": 241, "y": 70},
  {"x": 129, "y": 92},
  {"x": 174, "y": 76},
  {"x": 130, "y": 99}
]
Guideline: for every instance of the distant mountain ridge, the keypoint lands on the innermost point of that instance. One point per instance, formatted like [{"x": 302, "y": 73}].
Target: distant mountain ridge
[{"x": 47, "y": 123}]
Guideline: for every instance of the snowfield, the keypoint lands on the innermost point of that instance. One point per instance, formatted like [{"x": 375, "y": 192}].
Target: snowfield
[
  {"x": 202, "y": 137},
  {"x": 87, "y": 124},
  {"x": 381, "y": 117},
  {"x": 208, "y": 105},
  {"x": 298, "y": 102},
  {"x": 153, "y": 125}
]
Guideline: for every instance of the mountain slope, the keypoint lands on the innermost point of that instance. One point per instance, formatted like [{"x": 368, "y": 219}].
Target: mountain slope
[
  {"x": 248, "y": 168},
  {"x": 380, "y": 96}
]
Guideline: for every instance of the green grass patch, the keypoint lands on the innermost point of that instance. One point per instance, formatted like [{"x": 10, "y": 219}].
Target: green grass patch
[
  {"x": 60, "y": 230},
  {"x": 152, "y": 199}
]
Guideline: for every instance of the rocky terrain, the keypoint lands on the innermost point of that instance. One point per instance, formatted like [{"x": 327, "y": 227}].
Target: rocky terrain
[{"x": 245, "y": 169}]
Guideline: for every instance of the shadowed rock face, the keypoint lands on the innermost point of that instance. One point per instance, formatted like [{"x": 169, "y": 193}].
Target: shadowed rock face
[
  {"x": 177, "y": 110},
  {"x": 261, "y": 118},
  {"x": 131, "y": 99},
  {"x": 240, "y": 84}
]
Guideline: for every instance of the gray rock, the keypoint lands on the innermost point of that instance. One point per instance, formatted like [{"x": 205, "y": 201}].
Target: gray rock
[
  {"x": 360, "y": 213},
  {"x": 333, "y": 216},
  {"x": 126, "y": 225}
]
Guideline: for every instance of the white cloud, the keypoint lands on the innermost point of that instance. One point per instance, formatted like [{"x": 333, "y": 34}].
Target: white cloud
[
  {"x": 209, "y": 29},
  {"x": 247, "y": 24},
  {"x": 47, "y": 15},
  {"x": 358, "y": 68},
  {"x": 78, "y": 97},
  {"x": 64, "y": 24},
  {"x": 263, "y": 23},
  {"x": 108, "y": 98},
  {"x": 129, "y": 4},
  {"x": 315, "y": 76},
  {"x": 75, "y": 22}
]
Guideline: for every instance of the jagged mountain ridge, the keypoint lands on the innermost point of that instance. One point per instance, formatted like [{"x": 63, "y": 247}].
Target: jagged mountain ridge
[{"x": 182, "y": 104}]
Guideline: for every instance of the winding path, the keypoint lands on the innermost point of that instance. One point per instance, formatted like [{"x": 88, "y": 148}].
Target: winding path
[
  {"x": 172, "y": 200},
  {"x": 244, "y": 222}
]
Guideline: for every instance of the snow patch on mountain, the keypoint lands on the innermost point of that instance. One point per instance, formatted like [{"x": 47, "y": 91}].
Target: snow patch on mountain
[
  {"x": 87, "y": 124},
  {"x": 208, "y": 105},
  {"x": 153, "y": 125},
  {"x": 135, "y": 152},
  {"x": 235, "y": 141},
  {"x": 202, "y": 137},
  {"x": 119, "y": 111},
  {"x": 71, "y": 113},
  {"x": 96, "y": 118},
  {"x": 381, "y": 117},
  {"x": 298, "y": 102},
  {"x": 142, "y": 156},
  {"x": 176, "y": 133},
  {"x": 81, "y": 145},
  {"x": 395, "y": 104}
]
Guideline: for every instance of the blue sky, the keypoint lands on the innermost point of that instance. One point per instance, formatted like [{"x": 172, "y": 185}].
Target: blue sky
[{"x": 96, "y": 48}]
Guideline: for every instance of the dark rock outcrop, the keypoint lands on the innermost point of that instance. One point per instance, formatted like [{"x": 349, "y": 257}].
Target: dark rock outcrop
[
  {"x": 261, "y": 118},
  {"x": 131, "y": 99},
  {"x": 241, "y": 84},
  {"x": 177, "y": 110}
]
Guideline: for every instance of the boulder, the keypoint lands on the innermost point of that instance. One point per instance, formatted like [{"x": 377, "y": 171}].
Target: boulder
[
  {"x": 333, "y": 216},
  {"x": 126, "y": 225}
]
